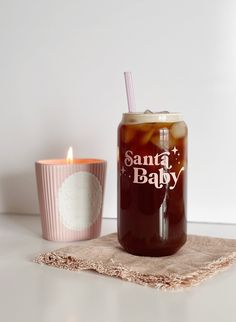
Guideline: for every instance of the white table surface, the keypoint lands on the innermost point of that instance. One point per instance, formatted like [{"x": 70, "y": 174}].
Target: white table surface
[{"x": 31, "y": 293}]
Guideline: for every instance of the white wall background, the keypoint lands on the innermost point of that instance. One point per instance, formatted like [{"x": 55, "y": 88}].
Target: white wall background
[{"x": 61, "y": 84}]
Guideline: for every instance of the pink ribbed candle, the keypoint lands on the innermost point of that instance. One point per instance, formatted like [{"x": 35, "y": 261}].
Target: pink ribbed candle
[{"x": 70, "y": 198}]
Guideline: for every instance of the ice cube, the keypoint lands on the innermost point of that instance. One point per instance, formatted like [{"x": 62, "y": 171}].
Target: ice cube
[
  {"x": 127, "y": 134},
  {"x": 147, "y": 136},
  {"x": 148, "y": 112},
  {"x": 178, "y": 130}
]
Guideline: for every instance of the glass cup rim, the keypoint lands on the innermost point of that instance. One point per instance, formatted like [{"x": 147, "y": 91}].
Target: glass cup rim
[{"x": 141, "y": 117}]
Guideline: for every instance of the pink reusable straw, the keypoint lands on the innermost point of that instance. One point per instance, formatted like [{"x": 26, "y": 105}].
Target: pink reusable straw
[{"x": 129, "y": 91}]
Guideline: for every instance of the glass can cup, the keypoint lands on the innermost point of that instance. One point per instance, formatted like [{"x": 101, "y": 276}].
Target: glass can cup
[{"x": 152, "y": 183}]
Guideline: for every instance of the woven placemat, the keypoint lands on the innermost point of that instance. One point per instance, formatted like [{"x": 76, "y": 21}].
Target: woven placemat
[{"x": 200, "y": 258}]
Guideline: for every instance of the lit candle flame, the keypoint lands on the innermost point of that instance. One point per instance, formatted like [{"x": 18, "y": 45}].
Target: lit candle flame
[{"x": 69, "y": 158}]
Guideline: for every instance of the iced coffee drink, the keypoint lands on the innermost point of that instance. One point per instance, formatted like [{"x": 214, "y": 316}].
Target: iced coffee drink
[{"x": 152, "y": 167}]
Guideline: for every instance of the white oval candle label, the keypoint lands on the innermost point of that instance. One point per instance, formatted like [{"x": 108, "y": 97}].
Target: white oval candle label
[{"x": 80, "y": 200}]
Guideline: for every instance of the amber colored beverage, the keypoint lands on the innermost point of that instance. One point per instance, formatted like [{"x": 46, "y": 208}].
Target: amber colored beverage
[{"x": 152, "y": 165}]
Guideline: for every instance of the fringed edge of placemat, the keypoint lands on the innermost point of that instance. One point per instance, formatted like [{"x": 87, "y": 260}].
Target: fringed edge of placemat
[{"x": 160, "y": 281}]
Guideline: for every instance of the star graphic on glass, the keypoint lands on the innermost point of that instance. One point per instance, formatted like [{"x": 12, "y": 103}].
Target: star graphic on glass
[
  {"x": 174, "y": 150},
  {"x": 122, "y": 170}
]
